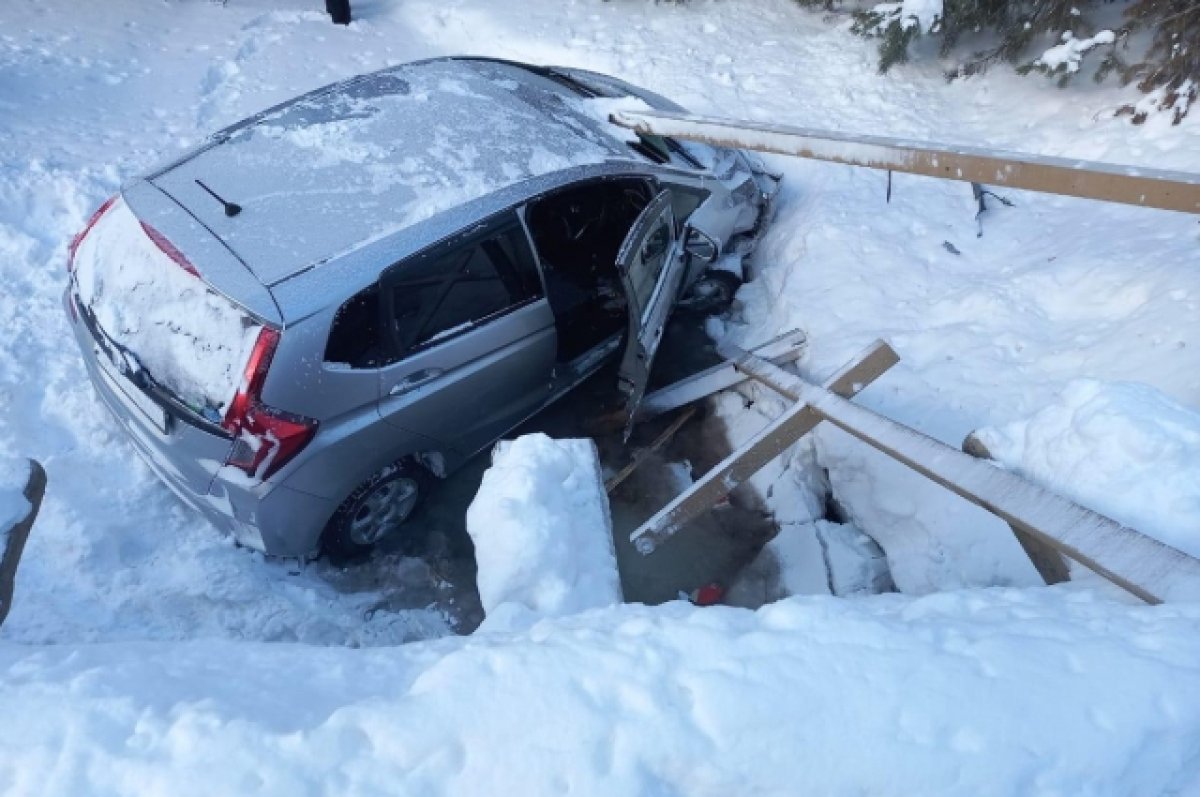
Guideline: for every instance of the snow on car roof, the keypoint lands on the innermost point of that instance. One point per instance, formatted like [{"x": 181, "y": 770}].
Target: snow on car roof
[{"x": 360, "y": 160}]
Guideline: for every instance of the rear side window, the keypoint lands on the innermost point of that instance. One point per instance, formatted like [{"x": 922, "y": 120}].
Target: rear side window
[
  {"x": 435, "y": 296},
  {"x": 453, "y": 289},
  {"x": 355, "y": 339},
  {"x": 647, "y": 265}
]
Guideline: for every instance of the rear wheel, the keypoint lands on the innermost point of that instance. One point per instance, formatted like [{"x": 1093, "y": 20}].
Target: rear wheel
[{"x": 379, "y": 509}]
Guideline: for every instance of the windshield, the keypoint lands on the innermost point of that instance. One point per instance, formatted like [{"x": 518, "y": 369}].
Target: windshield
[
  {"x": 192, "y": 342},
  {"x": 658, "y": 149}
]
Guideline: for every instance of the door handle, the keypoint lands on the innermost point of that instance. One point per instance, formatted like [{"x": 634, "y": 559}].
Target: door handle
[{"x": 415, "y": 380}]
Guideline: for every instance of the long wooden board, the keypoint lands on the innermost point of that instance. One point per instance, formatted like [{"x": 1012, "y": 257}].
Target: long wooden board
[
  {"x": 752, "y": 455},
  {"x": 1149, "y": 569},
  {"x": 1131, "y": 185}
]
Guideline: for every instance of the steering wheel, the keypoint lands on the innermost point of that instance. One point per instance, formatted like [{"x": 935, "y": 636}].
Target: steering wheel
[
  {"x": 578, "y": 221},
  {"x": 635, "y": 202}
]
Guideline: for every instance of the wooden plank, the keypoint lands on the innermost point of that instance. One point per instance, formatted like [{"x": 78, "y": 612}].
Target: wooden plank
[
  {"x": 752, "y": 455},
  {"x": 13, "y": 538},
  {"x": 1133, "y": 561},
  {"x": 1131, "y": 185},
  {"x": 1049, "y": 563},
  {"x": 640, "y": 456},
  {"x": 780, "y": 350}
]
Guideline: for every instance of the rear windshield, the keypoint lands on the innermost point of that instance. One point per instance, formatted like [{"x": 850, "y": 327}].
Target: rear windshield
[{"x": 192, "y": 341}]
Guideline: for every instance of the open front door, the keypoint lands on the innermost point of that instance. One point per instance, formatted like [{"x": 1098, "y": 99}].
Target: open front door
[{"x": 651, "y": 265}]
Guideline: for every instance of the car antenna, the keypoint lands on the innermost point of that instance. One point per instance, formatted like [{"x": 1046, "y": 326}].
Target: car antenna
[{"x": 231, "y": 209}]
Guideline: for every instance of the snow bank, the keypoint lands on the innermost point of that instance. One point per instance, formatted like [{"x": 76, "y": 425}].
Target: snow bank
[
  {"x": 980, "y": 692},
  {"x": 542, "y": 532},
  {"x": 1123, "y": 449}
]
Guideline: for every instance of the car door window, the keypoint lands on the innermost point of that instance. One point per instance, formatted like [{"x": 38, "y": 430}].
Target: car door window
[
  {"x": 646, "y": 264},
  {"x": 446, "y": 292}
]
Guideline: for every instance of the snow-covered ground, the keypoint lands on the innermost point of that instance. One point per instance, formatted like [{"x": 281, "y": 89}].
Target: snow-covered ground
[
  {"x": 136, "y": 658},
  {"x": 1005, "y": 692}
]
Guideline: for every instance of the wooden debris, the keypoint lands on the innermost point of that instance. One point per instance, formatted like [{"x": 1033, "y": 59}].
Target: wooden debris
[
  {"x": 758, "y": 451},
  {"x": 1145, "y": 567},
  {"x": 640, "y": 456},
  {"x": 780, "y": 350}
]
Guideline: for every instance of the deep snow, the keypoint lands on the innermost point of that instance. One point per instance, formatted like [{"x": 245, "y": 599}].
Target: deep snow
[
  {"x": 1123, "y": 448},
  {"x": 974, "y": 691},
  {"x": 1000, "y": 692}
]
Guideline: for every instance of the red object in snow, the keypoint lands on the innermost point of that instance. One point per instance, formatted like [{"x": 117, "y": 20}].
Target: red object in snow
[{"x": 708, "y": 595}]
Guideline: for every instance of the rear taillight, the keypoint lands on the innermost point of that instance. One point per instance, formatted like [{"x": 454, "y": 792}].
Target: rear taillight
[
  {"x": 169, "y": 249},
  {"x": 265, "y": 438},
  {"x": 73, "y": 247}
]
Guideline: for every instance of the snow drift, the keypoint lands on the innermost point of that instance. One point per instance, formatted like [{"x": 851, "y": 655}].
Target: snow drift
[
  {"x": 541, "y": 528},
  {"x": 981, "y": 692},
  {"x": 1123, "y": 449}
]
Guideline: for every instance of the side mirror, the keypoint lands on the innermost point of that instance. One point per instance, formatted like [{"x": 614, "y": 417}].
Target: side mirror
[{"x": 700, "y": 246}]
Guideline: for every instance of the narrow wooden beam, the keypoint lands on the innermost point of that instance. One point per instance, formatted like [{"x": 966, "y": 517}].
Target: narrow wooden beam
[
  {"x": 640, "y": 455},
  {"x": 1145, "y": 567},
  {"x": 1131, "y": 185},
  {"x": 756, "y": 452},
  {"x": 1049, "y": 563},
  {"x": 780, "y": 350}
]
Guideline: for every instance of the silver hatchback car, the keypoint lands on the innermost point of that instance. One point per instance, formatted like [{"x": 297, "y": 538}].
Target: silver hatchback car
[{"x": 305, "y": 319}]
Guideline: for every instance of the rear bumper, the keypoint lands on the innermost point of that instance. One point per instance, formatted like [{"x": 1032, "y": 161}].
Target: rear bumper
[{"x": 271, "y": 518}]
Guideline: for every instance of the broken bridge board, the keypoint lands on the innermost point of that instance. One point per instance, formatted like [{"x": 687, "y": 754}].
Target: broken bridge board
[
  {"x": 1142, "y": 565},
  {"x": 780, "y": 350},
  {"x": 751, "y": 456}
]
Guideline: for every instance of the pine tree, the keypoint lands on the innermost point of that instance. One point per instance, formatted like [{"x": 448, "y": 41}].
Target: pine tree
[
  {"x": 1052, "y": 37},
  {"x": 1170, "y": 70}
]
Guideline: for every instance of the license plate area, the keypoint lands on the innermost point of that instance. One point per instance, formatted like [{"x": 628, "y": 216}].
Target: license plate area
[{"x": 123, "y": 387}]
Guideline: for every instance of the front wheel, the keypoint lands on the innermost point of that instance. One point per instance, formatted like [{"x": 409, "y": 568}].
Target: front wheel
[
  {"x": 712, "y": 293},
  {"x": 378, "y": 509}
]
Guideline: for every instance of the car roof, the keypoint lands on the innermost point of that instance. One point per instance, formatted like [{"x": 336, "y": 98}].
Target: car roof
[{"x": 359, "y": 161}]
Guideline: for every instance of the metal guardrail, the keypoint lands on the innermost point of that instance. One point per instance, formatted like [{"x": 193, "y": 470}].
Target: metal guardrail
[{"x": 1130, "y": 185}]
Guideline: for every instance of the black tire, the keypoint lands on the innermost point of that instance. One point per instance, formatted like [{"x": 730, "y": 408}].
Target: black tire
[
  {"x": 378, "y": 509},
  {"x": 712, "y": 293}
]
